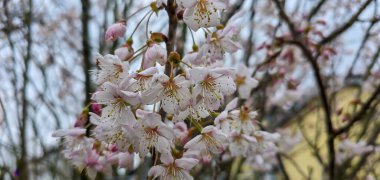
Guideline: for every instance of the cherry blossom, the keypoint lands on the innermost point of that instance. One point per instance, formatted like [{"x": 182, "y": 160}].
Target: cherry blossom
[
  {"x": 173, "y": 168},
  {"x": 202, "y": 13},
  {"x": 118, "y": 100},
  {"x": 193, "y": 110},
  {"x": 348, "y": 149},
  {"x": 112, "y": 69},
  {"x": 143, "y": 79},
  {"x": 244, "y": 82},
  {"x": 125, "y": 52},
  {"x": 115, "y": 31},
  {"x": 153, "y": 133},
  {"x": 154, "y": 53},
  {"x": 243, "y": 120},
  {"x": 173, "y": 92},
  {"x": 113, "y": 133},
  {"x": 240, "y": 144},
  {"x": 222, "y": 41},
  {"x": 210, "y": 141},
  {"x": 212, "y": 85}
]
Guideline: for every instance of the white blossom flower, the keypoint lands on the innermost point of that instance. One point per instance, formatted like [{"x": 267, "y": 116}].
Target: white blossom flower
[
  {"x": 123, "y": 159},
  {"x": 73, "y": 140},
  {"x": 212, "y": 85},
  {"x": 240, "y": 144},
  {"x": 243, "y": 120},
  {"x": 173, "y": 92},
  {"x": 202, "y": 13},
  {"x": 172, "y": 169},
  {"x": 222, "y": 41},
  {"x": 115, "y": 31},
  {"x": 223, "y": 121},
  {"x": 153, "y": 133},
  {"x": 264, "y": 161},
  {"x": 112, "y": 69},
  {"x": 348, "y": 149},
  {"x": 121, "y": 136},
  {"x": 118, "y": 100},
  {"x": 193, "y": 110},
  {"x": 198, "y": 57},
  {"x": 143, "y": 79},
  {"x": 244, "y": 82},
  {"x": 210, "y": 141},
  {"x": 154, "y": 53},
  {"x": 125, "y": 52},
  {"x": 83, "y": 155},
  {"x": 265, "y": 141},
  {"x": 262, "y": 136}
]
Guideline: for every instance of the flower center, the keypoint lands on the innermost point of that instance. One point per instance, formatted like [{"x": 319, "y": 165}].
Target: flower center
[
  {"x": 170, "y": 86},
  {"x": 244, "y": 113},
  {"x": 208, "y": 83},
  {"x": 202, "y": 6},
  {"x": 239, "y": 80},
  {"x": 211, "y": 142}
]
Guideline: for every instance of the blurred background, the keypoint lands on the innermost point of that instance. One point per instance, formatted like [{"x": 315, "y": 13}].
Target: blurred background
[{"x": 47, "y": 50}]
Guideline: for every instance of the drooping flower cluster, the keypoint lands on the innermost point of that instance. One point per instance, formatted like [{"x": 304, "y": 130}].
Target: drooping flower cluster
[
  {"x": 173, "y": 115},
  {"x": 349, "y": 149}
]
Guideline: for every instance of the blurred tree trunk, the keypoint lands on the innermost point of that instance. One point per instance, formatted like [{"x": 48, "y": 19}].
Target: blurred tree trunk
[
  {"x": 86, "y": 49},
  {"x": 23, "y": 164}
]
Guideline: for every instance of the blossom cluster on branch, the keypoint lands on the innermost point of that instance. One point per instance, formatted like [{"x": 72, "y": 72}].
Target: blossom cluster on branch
[{"x": 180, "y": 111}]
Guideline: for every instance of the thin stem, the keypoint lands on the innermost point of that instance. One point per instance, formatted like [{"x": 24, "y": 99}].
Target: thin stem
[
  {"x": 188, "y": 65},
  {"x": 140, "y": 10},
  {"x": 142, "y": 19},
  {"x": 192, "y": 35},
  {"x": 147, "y": 25}
]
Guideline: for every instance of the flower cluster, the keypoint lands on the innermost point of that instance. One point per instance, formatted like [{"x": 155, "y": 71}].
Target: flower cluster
[{"x": 172, "y": 115}]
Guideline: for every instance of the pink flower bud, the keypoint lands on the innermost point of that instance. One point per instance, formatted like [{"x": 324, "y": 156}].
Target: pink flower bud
[
  {"x": 115, "y": 31},
  {"x": 154, "y": 53},
  {"x": 81, "y": 121},
  {"x": 206, "y": 160},
  {"x": 125, "y": 52},
  {"x": 96, "y": 108},
  {"x": 113, "y": 148}
]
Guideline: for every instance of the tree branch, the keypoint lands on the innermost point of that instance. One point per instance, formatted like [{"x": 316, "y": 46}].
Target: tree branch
[{"x": 346, "y": 25}]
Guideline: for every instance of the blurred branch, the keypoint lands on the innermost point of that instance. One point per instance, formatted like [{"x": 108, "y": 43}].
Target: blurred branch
[
  {"x": 359, "y": 115},
  {"x": 250, "y": 45},
  {"x": 365, "y": 39},
  {"x": 23, "y": 165},
  {"x": 371, "y": 140},
  {"x": 86, "y": 48},
  {"x": 315, "y": 10},
  {"x": 346, "y": 25},
  {"x": 233, "y": 8}
]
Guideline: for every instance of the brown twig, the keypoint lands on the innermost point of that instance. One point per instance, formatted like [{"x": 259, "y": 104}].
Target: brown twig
[{"x": 346, "y": 25}]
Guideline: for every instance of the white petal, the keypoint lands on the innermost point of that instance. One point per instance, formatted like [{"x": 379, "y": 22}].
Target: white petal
[
  {"x": 163, "y": 145},
  {"x": 91, "y": 173},
  {"x": 95, "y": 119},
  {"x": 166, "y": 132},
  {"x": 70, "y": 132},
  {"x": 167, "y": 158},
  {"x": 187, "y": 3},
  {"x": 102, "y": 97},
  {"x": 170, "y": 104},
  {"x": 193, "y": 142},
  {"x": 232, "y": 104},
  {"x": 186, "y": 163},
  {"x": 156, "y": 171},
  {"x": 130, "y": 97}
]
